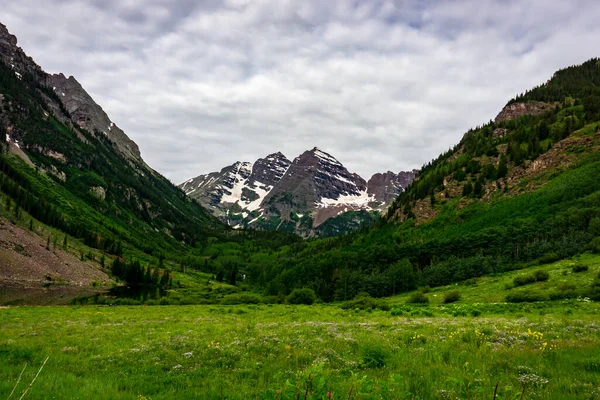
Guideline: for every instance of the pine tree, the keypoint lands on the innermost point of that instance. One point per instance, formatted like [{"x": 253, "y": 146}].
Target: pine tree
[
  {"x": 467, "y": 189},
  {"x": 48, "y": 243},
  {"x": 502, "y": 168},
  {"x": 155, "y": 277},
  {"x": 65, "y": 242}
]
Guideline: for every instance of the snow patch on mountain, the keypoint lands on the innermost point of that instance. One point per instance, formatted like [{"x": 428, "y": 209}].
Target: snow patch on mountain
[
  {"x": 234, "y": 194},
  {"x": 361, "y": 200}
]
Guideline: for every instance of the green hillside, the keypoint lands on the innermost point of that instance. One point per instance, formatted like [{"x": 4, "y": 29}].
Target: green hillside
[{"x": 510, "y": 194}]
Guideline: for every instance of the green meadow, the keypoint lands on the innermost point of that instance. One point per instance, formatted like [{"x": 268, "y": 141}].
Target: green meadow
[{"x": 477, "y": 347}]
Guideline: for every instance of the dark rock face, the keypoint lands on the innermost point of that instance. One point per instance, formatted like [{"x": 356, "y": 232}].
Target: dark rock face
[
  {"x": 387, "y": 186},
  {"x": 515, "y": 110},
  {"x": 15, "y": 57},
  {"x": 268, "y": 171},
  {"x": 89, "y": 115},
  {"x": 241, "y": 183},
  {"x": 310, "y": 190}
]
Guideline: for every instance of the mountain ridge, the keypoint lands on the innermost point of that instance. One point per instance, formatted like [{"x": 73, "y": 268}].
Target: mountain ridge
[{"x": 314, "y": 186}]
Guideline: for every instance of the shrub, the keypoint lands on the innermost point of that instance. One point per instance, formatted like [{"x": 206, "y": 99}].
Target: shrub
[
  {"x": 549, "y": 258},
  {"x": 302, "y": 296},
  {"x": 594, "y": 290},
  {"x": 452, "y": 296},
  {"x": 241, "y": 298},
  {"x": 363, "y": 301},
  {"x": 526, "y": 297},
  {"x": 271, "y": 300},
  {"x": 566, "y": 286},
  {"x": 579, "y": 268},
  {"x": 595, "y": 245},
  {"x": 470, "y": 282},
  {"x": 396, "y": 312},
  {"x": 521, "y": 280},
  {"x": 418, "y": 298},
  {"x": 541, "y": 276},
  {"x": 565, "y": 294},
  {"x": 163, "y": 301},
  {"x": 475, "y": 312},
  {"x": 537, "y": 276},
  {"x": 373, "y": 356},
  {"x": 425, "y": 289}
]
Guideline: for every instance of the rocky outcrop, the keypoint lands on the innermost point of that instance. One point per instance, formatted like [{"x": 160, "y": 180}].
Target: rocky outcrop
[
  {"x": 86, "y": 113},
  {"x": 99, "y": 191},
  {"x": 514, "y": 110},
  {"x": 13, "y": 56}
]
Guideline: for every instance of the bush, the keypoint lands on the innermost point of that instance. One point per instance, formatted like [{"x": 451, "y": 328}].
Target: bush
[
  {"x": 373, "y": 356},
  {"x": 521, "y": 280},
  {"x": 565, "y": 294},
  {"x": 470, "y": 282},
  {"x": 566, "y": 286},
  {"x": 397, "y": 312},
  {"x": 537, "y": 276},
  {"x": 526, "y": 297},
  {"x": 549, "y": 258},
  {"x": 541, "y": 276},
  {"x": 579, "y": 268},
  {"x": 595, "y": 245},
  {"x": 363, "y": 301},
  {"x": 475, "y": 312},
  {"x": 452, "y": 297},
  {"x": 302, "y": 296},
  {"x": 271, "y": 300},
  {"x": 418, "y": 298},
  {"x": 241, "y": 298}
]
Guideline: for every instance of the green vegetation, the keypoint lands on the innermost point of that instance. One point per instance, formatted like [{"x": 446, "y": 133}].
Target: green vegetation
[
  {"x": 302, "y": 296},
  {"x": 452, "y": 297},
  {"x": 271, "y": 352}
]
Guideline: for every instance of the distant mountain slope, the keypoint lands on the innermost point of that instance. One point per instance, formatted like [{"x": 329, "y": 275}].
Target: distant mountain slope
[
  {"x": 70, "y": 166},
  {"x": 277, "y": 194}
]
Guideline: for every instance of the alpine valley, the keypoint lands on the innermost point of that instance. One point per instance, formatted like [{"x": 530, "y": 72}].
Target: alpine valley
[
  {"x": 312, "y": 195},
  {"x": 475, "y": 277}
]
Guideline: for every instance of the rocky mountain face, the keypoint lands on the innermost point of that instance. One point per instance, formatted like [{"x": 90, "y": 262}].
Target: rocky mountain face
[
  {"x": 87, "y": 114},
  {"x": 514, "y": 110},
  {"x": 68, "y": 102},
  {"x": 298, "y": 195}
]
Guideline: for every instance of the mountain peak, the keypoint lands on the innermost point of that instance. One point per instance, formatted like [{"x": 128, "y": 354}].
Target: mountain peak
[{"x": 89, "y": 115}]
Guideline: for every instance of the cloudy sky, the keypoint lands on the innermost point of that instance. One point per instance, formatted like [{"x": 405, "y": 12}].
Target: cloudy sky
[{"x": 380, "y": 84}]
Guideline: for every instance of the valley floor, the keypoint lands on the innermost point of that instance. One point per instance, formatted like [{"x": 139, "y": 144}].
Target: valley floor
[{"x": 549, "y": 349}]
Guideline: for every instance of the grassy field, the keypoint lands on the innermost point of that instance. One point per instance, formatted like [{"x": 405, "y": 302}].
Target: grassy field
[{"x": 468, "y": 349}]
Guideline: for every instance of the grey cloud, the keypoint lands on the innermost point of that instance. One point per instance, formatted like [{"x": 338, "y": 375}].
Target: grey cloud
[{"x": 381, "y": 84}]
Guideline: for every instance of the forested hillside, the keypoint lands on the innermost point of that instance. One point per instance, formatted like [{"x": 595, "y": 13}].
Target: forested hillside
[{"x": 513, "y": 192}]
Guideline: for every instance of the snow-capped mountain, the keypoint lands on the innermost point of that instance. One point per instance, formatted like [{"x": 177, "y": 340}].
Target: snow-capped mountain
[
  {"x": 274, "y": 193},
  {"x": 242, "y": 186}
]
